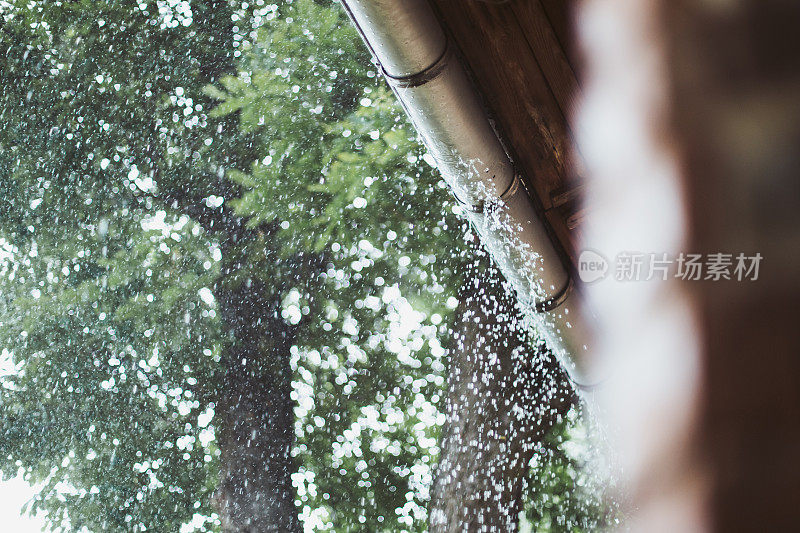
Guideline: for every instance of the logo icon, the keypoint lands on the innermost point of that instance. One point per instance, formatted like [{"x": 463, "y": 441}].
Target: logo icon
[{"x": 592, "y": 266}]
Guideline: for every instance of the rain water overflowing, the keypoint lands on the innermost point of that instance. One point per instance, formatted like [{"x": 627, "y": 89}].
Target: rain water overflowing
[{"x": 237, "y": 297}]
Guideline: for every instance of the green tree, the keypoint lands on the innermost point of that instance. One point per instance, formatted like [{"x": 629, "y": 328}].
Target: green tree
[{"x": 193, "y": 248}]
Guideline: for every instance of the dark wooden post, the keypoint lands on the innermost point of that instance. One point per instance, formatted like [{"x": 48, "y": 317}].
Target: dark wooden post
[{"x": 693, "y": 136}]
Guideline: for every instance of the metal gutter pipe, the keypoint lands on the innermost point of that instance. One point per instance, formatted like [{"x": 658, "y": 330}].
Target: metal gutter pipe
[{"x": 416, "y": 58}]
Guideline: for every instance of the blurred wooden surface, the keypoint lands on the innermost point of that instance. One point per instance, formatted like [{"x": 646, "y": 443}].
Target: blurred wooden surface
[
  {"x": 695, "y": 111},
  {"x": 736, "y": 79}
]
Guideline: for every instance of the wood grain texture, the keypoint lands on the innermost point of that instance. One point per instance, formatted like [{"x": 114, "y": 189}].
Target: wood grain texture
[
  {"x": 560, "y": 13},
  {"x": 549, "y": 54}
]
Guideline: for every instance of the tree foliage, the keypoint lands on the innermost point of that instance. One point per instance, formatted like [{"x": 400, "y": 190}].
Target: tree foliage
[{"x": 140, "y": 173}]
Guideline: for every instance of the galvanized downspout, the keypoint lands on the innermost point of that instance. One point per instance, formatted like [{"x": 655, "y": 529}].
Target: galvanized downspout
[{"x": 413, "y": 51}]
